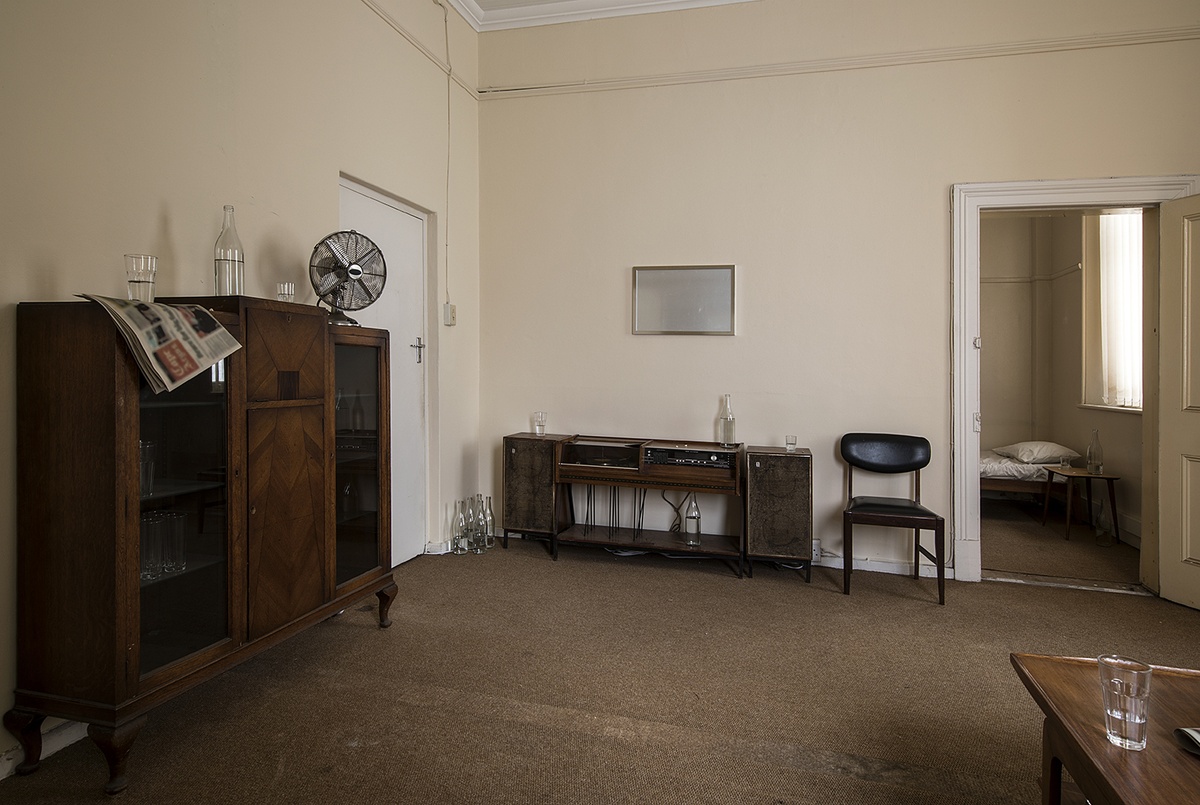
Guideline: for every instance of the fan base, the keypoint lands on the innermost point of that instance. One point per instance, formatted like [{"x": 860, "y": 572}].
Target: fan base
[{"x": 339, "y": 317}]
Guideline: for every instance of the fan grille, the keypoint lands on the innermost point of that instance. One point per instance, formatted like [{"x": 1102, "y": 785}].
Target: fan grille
[{"x": 347, "y": 270}]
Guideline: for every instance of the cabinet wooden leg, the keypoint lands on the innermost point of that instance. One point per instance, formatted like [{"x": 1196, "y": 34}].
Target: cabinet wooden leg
[
  {"x": 386, "y": 596},
  {"x": 26, "y": 728},
  {"x": 115, "y": 743}
]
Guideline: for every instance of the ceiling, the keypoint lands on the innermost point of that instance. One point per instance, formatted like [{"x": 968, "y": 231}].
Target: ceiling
[{"x": 494, "y": 15}]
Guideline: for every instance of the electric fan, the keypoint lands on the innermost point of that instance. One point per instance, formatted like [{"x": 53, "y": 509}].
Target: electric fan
[{"x": 347, "y": 271}]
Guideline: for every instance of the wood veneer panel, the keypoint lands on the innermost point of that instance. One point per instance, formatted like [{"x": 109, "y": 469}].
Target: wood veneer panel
[{"x": 287, "y": 549}]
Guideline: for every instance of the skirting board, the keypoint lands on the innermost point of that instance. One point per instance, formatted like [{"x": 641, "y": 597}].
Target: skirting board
[
  {"x": 57, "y": 737},
  {"x": 877, "y": 566}
]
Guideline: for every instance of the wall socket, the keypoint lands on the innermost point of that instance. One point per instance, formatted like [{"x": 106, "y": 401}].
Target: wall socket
[
  {"x": 449, "y": 315},
  {"x": 816, "y": 551}
]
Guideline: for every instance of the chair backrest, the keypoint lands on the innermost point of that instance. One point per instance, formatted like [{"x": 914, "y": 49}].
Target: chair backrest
[{"x": 885, "y": 452}]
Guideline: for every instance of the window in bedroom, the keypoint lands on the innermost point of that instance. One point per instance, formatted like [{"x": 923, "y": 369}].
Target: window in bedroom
[{"x": 1113, "y": 309}]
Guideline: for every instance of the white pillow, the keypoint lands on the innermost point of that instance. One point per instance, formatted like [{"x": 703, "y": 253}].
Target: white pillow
[{"x": 1036, "y": 452}]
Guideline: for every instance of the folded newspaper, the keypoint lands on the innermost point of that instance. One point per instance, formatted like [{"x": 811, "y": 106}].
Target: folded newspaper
[{"x": 171, "y": 343}]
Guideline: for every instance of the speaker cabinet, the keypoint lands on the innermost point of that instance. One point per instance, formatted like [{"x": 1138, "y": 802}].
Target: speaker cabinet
[
  {"x": 778, "y": 504},
  {"x": 533, "y": 503}
]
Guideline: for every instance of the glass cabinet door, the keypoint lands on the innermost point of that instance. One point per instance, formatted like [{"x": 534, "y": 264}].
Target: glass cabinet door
[
  {"x": 357, "y": 431},
  {"x": 184, "y": 544}
]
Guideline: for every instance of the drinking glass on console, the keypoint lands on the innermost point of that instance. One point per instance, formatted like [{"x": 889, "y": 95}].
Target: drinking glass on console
[{"x": 539, "y": 423}]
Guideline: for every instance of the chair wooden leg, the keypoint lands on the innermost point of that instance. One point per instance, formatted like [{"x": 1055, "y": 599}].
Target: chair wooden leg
[
  {"x": 916, "y": 553},
  {"x": 847, "y": 553},
  {"x": 939, "y": 549}
]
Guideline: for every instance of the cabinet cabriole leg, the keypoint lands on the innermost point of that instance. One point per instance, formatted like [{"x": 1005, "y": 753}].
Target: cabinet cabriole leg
[
  {"x": 115, "y": 743},
  {"x": 26, "y": 728},
  {"x": 386, "y": 596}
]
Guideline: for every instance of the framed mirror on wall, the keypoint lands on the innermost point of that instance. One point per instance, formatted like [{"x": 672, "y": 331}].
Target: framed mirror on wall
[{"x": 683, "y": 300}]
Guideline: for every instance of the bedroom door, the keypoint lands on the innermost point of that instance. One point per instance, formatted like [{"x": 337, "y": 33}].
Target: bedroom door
[{"x": 1179, "y": 401}]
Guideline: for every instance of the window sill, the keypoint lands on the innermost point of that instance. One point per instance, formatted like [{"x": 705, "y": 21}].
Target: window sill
[{"x": 1116, "y": 409}]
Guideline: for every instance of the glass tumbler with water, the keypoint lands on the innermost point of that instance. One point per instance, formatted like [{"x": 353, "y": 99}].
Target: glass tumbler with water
[{"x": 1125, "y": 687}]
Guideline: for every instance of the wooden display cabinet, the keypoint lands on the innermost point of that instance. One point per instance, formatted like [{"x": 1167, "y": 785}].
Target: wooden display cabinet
[{"x": 242, "y": 460}]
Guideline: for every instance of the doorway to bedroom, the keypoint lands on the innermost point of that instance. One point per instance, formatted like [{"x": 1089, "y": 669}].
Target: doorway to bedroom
[{"x": 1048, "y": 337}]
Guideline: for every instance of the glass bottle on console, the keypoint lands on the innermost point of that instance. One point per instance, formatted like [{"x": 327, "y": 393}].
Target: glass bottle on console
[
  {"x": 691, "y": 520},
  {"x": 726, "y": 427}
]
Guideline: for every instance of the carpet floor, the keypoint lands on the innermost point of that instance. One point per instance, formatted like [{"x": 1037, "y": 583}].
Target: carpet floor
[
  {"x": 512, "y": 678},
  {"x": 1013, "y": 539}
]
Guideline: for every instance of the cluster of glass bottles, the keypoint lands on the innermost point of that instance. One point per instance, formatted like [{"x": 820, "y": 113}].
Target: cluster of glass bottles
[{"x": 474, "y": 529}]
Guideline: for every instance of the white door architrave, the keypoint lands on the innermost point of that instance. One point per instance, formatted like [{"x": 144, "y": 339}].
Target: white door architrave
[{"x": 967, "y": 201}]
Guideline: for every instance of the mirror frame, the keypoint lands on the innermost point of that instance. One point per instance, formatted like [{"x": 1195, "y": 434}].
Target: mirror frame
[{"x": 715, "y": 316}]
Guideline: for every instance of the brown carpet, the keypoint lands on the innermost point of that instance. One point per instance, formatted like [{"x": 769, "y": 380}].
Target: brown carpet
[
  {"x": 511, "y": 678},
  {"x": 1013, "y": 539}
]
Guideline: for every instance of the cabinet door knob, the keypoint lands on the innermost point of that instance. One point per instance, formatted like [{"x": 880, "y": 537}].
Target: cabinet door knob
[{"x": 254, "y": 510}]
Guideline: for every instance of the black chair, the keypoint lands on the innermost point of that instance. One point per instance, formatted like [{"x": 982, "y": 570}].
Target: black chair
[{"x": 890, "y": 453}]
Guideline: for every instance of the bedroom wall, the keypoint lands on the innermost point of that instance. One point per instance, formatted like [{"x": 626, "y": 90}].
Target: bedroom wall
[
  {"x": 1007, "y": 317},
  {"x": 637, "y": 141},
  {"x": 129, "y": 123},
  {"x": 1071, "y": 422}
]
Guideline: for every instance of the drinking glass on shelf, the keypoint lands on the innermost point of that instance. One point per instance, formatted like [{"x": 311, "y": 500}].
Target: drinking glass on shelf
[
  {"x": 539, "y": 423},
  {"x": 174, "y": 545},
  {"x": 146, "y": 450},
  {"x": 151, "y": 546}
]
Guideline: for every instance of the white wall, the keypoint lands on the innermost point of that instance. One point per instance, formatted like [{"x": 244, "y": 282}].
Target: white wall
[
  {"x": 828, "y": 187},
  {"x": 129, "y": 123}
]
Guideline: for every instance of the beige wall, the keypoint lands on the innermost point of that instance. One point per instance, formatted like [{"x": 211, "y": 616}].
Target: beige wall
[
  {"x": 828, "y": 187},
  {"x": 129, "y": 124}
]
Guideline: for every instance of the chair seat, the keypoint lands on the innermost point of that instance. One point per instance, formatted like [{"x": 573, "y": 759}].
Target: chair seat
[{"x": 867, "y": 506}]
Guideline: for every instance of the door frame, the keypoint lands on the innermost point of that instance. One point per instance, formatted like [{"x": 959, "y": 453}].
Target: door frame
[{"x": 967, "y": 201}]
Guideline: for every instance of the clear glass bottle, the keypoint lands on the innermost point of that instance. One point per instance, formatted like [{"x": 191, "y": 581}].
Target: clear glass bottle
[
  {"x": 691, "y": 519},
  {"x": 469, "y": 523},
  {"x": 480, "y": 544},
  {"x": 725, "y": 425},
  {"x": 489, "y": 524},
  {"x": 1095, "y": 454},
  {"x": 458, "y": 536},
  {"x": 229, "y": 261}
]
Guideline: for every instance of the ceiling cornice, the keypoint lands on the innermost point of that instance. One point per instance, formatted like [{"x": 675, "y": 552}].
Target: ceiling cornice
[
  {"x": 899, "y": 59},
  {"x": 551, "y": 13}
]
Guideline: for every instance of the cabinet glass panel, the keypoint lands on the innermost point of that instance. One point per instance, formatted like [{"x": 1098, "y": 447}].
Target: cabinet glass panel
[
  {"x": 184, "y": 565},
  {"x": 356, "y": 422}
]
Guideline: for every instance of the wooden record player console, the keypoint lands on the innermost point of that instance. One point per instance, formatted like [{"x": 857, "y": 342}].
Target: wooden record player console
[{"x": 541, "y": 471}]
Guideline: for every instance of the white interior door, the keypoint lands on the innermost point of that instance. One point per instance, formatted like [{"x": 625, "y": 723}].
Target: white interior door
[
  {"x": 400, "y": 233},
  {"x": 1179, "y": 401}
]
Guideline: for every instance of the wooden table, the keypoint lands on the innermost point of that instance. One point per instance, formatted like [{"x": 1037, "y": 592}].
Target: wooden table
[
  {"x": 1068, "y": 691},
  {"x": 1071, "y": 473}
]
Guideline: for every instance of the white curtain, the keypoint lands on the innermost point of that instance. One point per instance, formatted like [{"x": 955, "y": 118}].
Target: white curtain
[{"x": 1121, "y": 307}]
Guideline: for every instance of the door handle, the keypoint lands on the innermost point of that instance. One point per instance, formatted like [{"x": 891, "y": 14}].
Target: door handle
[{"x": 419, "y": 347}]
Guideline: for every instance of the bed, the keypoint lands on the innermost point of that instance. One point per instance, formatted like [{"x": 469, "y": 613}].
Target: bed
[{"x": 1020, "y": 467}]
